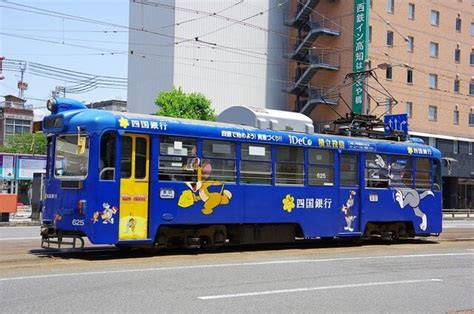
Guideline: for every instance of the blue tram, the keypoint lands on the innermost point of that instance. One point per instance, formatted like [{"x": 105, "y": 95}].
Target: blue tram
[{"x": 151, "y": 181}]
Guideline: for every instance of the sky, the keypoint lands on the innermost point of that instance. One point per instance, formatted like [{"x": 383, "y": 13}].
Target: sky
[{"x": 64, "y": 43}]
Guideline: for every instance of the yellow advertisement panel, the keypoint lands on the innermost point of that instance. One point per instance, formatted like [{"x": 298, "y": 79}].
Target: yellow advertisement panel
[{"x": 134, "y": 187}]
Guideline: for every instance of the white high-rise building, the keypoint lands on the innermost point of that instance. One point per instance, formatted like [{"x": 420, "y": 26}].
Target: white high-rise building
[{"x": 233, "y": 57}]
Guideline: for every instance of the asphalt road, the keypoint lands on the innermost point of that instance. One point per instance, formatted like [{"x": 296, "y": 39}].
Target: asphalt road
[{"x": 431, "y": 275}]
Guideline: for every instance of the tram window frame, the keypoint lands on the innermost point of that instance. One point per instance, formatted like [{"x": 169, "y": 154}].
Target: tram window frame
[
  {"x": 255, "y": 168},
  {"x": 107, "y": 161},
  {"x": 376, "y": 171},
  {"x": 326, "y": 163},
  {"x": 141, "y": 153},
  {"x": 404, "y": 180},
  {"x": 437, "y": 181},
  {"x": 293, "y": 173},
  {"x": 219, "y": 165},
  {"x": 427, "y": 184},
  {"x": 188, "y": 160},
  {"x": 126, "y": 172},
  {"x": 354, "y": 181}
]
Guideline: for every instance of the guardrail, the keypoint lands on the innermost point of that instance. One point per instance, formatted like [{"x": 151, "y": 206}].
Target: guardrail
[{"x": 453, "y": 212}]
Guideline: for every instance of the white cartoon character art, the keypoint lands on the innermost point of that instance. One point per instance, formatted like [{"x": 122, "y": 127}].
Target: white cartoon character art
[
  {"x": 347, "y": 210},
  {"x": 412, "y": 198},
  {"x": 107, "y": 214}
]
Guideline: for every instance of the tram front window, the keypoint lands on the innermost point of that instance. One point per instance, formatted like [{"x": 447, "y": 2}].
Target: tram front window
[{"x": 72, "y": 156}]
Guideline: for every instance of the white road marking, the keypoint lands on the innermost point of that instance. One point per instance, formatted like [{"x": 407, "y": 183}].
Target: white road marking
[
  {"x": 209, "y": 266},
  {"x": 355, "y": 285},
  {"x": 24, "y": 238}
]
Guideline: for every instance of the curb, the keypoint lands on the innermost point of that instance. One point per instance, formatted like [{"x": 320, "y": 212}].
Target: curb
[{"x": 20, "y": 224}]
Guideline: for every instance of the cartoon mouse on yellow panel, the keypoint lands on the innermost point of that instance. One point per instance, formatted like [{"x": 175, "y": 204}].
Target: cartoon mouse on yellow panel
[{"x": 201, "y": 187}]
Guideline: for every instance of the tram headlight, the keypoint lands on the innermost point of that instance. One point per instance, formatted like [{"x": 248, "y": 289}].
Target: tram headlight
[{"x": 51, "y": 105}]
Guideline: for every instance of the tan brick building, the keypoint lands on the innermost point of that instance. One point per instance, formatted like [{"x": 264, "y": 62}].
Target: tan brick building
[{"x": 422, "y": 52}]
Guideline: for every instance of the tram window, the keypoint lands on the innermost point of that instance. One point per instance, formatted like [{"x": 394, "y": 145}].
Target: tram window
[
  {"x": 437, "y": 175},
  {"x": 348, "y": 169},
  {"x": 107, "y": 156},
  {"x": 255, "y": 166},
  {"x": 423, "y": 173},
  {"x": 400, "y": 171},
  {"x": 219, "y": 164},
  {"x": 178, "y": 159},
  {"x": 321, "y": 167},
  {"x": 376, "y": 171},
  {"x": 289, "y": 166},
  {"x": 126, "y": 158},
  {"x": 71, "y": 156},
  {"x": 256, "y": 152},
  {"x": 140, "y": 158}
]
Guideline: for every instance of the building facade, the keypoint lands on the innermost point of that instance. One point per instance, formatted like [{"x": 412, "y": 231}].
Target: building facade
[
  {"x": 15, "y": 118},
  {"x": 297, "y": 55},
  {"x": 212, "y": 47}
]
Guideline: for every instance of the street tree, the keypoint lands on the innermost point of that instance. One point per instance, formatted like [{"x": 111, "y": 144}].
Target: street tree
[
  {"x": 176, "y": 103},
  {"x": 26, "y": 143}
]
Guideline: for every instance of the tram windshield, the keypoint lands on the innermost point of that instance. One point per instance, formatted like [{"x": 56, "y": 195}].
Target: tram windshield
[{"x": 72, "y": 156}]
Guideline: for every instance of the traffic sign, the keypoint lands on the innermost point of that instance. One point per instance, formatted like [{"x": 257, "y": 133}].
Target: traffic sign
[{"x": 396, "y": 122}]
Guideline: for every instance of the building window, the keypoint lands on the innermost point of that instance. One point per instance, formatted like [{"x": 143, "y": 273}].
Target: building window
[
  {"x": 433, "y": 81},
  {"x": 389, "y": 38},
  {"x": 457, "y": 55},
  {"x": 409, "y": 76},
  {"x": 471, "y": 58},
  {"x": 455, "y": 147},
  {"x": 471, "y": 88},
  {"x": 410, "y": 43},
  {"x": 432, "y": 113},
  {"x": 458, "y": 24},
  {"x": 390, "y": 6},
  {"x": 434, "y": 48},
  {"x": 411, "y": 11},
  {"x": 370, "y": 34},
  {"x": 409, "y": 109},
  {"x": 456, "y": 116},
  {"x": 471, "y": 118},
  {"x": 434, "y": 18},
  {"x": 16, "y": 126},
  {"x": 432, "y": 141},
  {"x": 470, "y": 148},
  {"x": 472, "y": 28},
  {"x": 388, "y": 73},
  {"x": 457, "y": 84}
]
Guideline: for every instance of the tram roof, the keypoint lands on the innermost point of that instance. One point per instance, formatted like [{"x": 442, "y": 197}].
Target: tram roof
[{"x": 93, "y": 120}]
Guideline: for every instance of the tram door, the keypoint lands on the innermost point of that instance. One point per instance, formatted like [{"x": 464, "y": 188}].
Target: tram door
[
  {"x": 134, "y": 187},
  {"x": 349, "y": 192}
]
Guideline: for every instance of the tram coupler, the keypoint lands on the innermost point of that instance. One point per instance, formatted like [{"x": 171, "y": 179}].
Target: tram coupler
[{"x": 52, "y": 239}]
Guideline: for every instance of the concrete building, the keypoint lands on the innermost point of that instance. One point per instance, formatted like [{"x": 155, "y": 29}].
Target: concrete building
[
  {"x": 420, "y": 51},
  {"x": 15, "y": 118},
  {"x": 226, "y": 59}
]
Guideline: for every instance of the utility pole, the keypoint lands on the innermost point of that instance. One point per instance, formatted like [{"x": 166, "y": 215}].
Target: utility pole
[{"x": 22, "y": 86}]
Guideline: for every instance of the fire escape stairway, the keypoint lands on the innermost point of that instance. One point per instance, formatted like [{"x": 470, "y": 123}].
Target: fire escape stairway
[
  {"x": 302, "y": 14},
  {"x": 316, "y": 29},
  {"x": 316, "y": 96}
]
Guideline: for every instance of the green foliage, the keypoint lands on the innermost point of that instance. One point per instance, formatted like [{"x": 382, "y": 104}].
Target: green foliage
[
  {"x": 26, "y": 143},
  {"x": 176, "y": 103}
]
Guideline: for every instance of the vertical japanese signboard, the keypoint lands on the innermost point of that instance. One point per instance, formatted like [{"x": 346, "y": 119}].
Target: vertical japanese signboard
[
  {"x": 7, "y": 167},
  {"x": 360, "y": 50}
]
